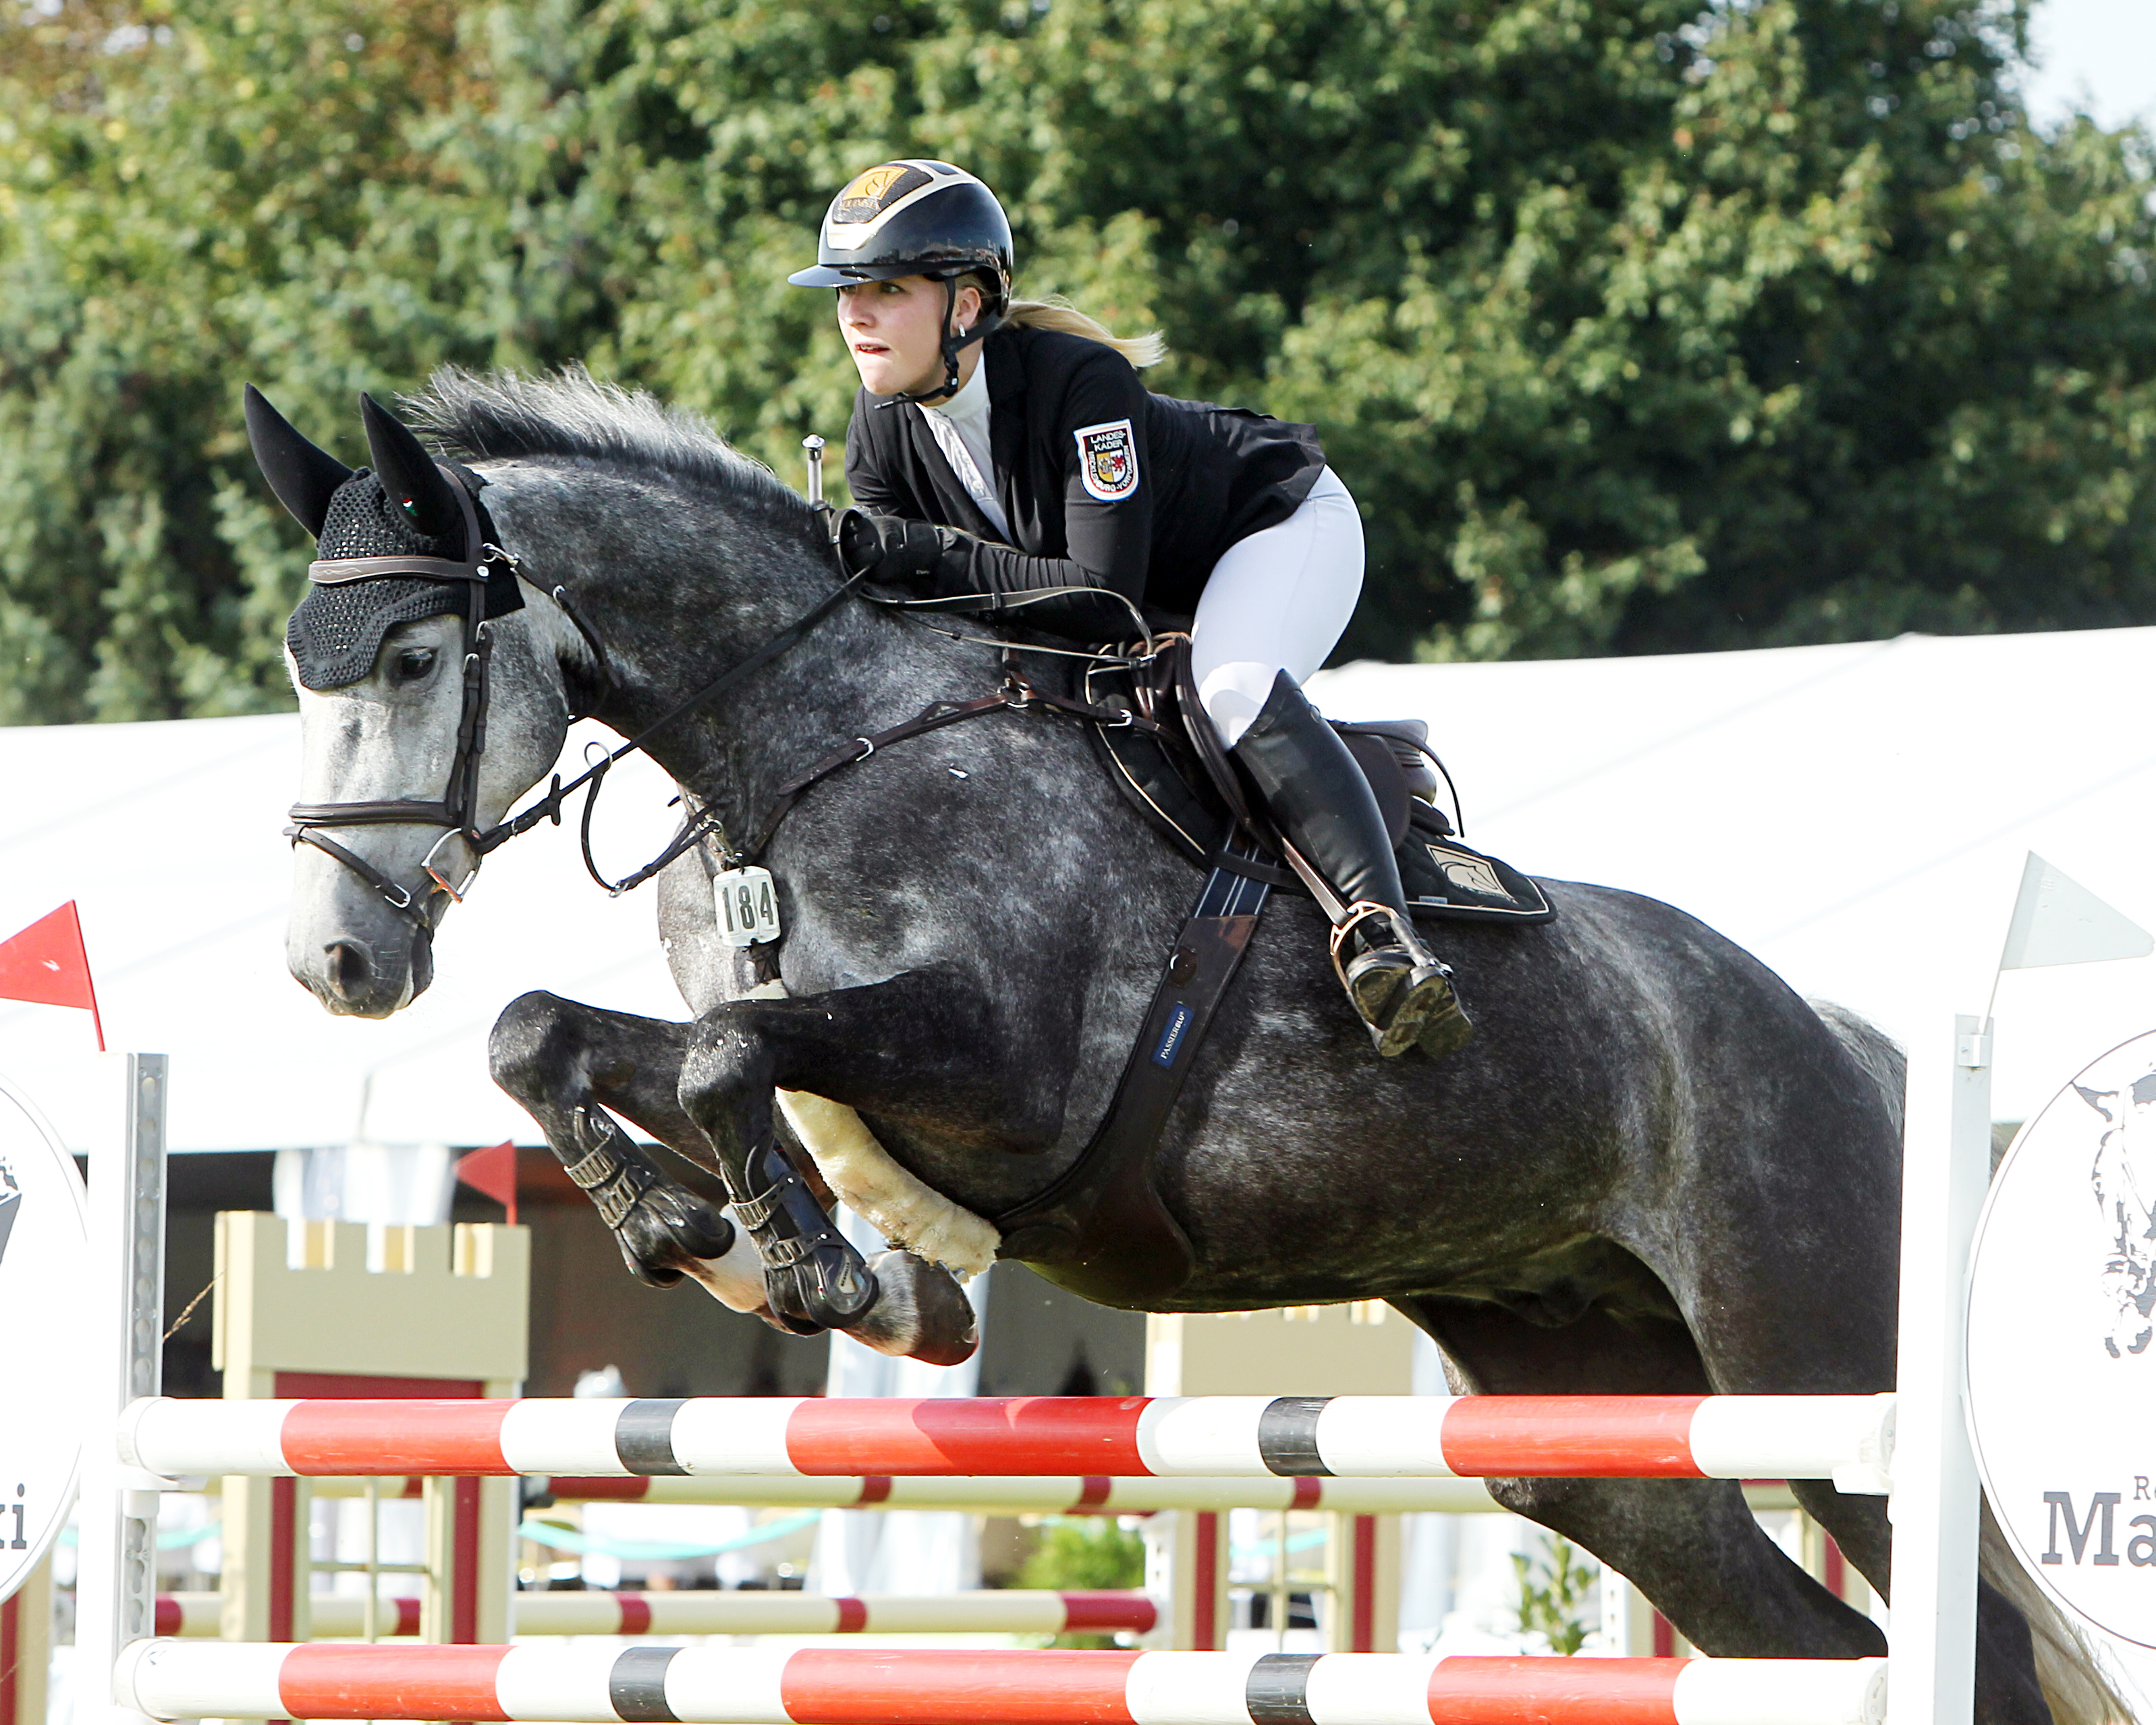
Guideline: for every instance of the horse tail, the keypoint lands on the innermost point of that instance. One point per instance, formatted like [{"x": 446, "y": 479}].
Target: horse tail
[
  {"x": 1876, "y": 1054},
  {"x": 2074, "y": 1681}
]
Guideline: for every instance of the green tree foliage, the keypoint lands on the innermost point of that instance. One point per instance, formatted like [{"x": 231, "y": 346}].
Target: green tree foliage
[
  {"x": 1635, "y": 326},
  {"x": 1079, "y": 1554}
]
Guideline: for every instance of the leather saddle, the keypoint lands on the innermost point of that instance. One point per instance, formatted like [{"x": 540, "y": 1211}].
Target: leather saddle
[
  {"x": 1100, "y": 1230},
  {"x": 1173, "y": 771}
]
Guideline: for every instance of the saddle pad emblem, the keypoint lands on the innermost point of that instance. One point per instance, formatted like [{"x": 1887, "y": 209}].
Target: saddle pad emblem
[
  {"x": 1468, "y": 874},
  {"x": 1108, "y": 460}
]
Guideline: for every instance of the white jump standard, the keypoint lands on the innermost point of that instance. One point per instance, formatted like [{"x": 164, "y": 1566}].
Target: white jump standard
[
  {"x": 728, "y": 1685},
  {"x": 1846, "y": 1439}
]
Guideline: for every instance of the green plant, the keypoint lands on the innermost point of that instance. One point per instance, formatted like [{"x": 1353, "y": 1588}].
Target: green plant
[
  {"x": 1552, "y": 1590},
  {"x": 1084, "y": 1552}
]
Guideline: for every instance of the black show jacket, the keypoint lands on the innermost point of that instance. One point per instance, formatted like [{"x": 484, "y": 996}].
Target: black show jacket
[{"x": 1205, "y": 476}]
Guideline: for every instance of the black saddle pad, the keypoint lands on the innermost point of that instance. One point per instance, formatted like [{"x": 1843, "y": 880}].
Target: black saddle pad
[{"x": 1165, "y": 781}]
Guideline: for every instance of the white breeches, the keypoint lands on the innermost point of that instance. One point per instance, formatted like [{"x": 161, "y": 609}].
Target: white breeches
[{"x": 1278, "y": 601}]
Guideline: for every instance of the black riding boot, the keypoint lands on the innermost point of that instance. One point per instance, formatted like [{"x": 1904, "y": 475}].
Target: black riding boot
[
  {"x": 813, "y": 1279},
  {"x": 1314, "y": 788}
]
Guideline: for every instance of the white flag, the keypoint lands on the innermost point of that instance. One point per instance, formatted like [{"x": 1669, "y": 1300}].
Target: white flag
[{"x": 2058, "y": 921}]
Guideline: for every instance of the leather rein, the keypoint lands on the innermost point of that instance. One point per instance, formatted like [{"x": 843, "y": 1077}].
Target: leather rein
[{"x": 457, "y": 811}]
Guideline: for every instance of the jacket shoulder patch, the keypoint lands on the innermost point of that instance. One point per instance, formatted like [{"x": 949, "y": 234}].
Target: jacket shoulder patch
[{"x": 1108, "y": 460}]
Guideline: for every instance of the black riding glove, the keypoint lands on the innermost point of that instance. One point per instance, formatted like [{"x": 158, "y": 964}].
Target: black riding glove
[
  {"x": 976, "y": 566},
  {"x": 888, "y": 547}
]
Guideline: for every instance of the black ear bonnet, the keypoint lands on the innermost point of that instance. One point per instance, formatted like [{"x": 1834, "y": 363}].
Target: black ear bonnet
[
  {"x": 405, "y": 539},
  {"x": 339, "y": 627}
]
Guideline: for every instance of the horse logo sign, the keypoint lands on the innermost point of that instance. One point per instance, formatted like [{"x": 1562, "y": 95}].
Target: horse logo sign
[
  {"x": 1108, "y": 460},
  {"x": 46, "y": 1363},
  {"x": 2123, "y": 1177},
  {"x": 10, "y": 1201},
  {"x": 2063, "y": 1284}
]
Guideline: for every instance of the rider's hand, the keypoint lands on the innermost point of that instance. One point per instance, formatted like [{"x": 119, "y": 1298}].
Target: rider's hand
[{"x": 888, "y": 547}]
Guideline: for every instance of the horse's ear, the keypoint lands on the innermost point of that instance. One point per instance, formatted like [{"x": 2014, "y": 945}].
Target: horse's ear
[
  {"x": 2102, "y": 1100},
  {"x": 303, "y": 477},
  {"x": 408, "y": 474}
]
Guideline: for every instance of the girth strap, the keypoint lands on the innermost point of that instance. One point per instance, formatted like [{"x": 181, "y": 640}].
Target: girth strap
[{"x": 1100, "y": 1230}]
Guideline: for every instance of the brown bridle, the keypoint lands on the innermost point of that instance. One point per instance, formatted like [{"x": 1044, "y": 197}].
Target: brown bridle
[{"x": 457, "y": 810}]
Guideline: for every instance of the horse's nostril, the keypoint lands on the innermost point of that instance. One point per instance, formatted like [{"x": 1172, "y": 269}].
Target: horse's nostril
[{"x": 351, "y": 969}]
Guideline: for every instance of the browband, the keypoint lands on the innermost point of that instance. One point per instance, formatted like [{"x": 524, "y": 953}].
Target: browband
[
  {"x": 485, "y": 564},
  {"x": 336, "y": 570}
]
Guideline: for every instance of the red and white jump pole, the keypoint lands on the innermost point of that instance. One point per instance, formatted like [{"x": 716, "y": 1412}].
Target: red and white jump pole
[
  {"x": 1841, "y": 1438},
  {"x": 704, "y": 1611},
  {"x": 1848, "y": 1440},
  {"x": 1031, "y": 1494},
  {"x": 728, "y": 1685}
]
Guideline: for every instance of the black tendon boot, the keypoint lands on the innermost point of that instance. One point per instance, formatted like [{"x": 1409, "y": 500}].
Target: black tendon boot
[
  {"x": 661, "y": 1228},
  {"x": 1317, "y": 794},
  {"x": 812, "y": 1276}
]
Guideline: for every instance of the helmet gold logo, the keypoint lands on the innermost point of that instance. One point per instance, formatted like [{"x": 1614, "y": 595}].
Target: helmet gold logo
[{"x": 870, "y": 187}]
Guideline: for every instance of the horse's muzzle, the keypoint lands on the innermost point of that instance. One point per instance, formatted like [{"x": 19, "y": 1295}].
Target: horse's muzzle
[{"x": 355, "y": 979}]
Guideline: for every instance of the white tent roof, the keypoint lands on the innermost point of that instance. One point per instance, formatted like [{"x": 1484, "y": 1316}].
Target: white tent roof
[
  {"x": 168, "y": 835},
  {"x": 1856, "y": 815}
]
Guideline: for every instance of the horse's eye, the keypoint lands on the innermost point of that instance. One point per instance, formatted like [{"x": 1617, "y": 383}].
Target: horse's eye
[{"x": 414, "y": 663}]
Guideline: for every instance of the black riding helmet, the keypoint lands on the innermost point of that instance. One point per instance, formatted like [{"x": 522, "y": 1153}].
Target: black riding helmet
[{"x": 917, "y": 218}]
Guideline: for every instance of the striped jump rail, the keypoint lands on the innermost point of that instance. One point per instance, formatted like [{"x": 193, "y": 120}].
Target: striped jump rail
[
  {"x": 1846, "y": 1439},
  {"x": 711, "y": 1612},
  {"x": 1020, "y": 1494},
  {"x": 729, "y": 1686},
  {"x": 1099, "y": 1494}
]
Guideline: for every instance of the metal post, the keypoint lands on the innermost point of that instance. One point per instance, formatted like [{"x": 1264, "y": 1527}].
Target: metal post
[
  {"x": 1946, "y": 1167},
  {"x": 116, "y": 1598}
]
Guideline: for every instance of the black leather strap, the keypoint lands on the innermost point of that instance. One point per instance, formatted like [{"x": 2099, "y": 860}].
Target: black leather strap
[
  {"x": 397, "y": 897},
  {"x": 1101, "y": 1231}
]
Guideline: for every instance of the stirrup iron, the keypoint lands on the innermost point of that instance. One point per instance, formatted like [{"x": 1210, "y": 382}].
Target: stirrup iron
[{"x": 1403, "y": 993}]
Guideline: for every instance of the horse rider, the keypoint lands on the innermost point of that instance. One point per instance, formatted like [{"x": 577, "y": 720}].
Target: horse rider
[{"x": 999, "y": 445}]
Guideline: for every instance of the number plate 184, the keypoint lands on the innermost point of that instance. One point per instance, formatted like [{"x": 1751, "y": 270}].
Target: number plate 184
[{"x": 747, "y": 906}]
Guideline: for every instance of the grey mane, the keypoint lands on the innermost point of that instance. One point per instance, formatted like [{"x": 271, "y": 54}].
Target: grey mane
[{"x": 572, "y": 416}]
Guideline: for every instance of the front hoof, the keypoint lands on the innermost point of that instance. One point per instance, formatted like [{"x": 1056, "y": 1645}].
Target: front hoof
[
  {"x": 667, "y": 1232},
  {"x": 921, "y": 1314}
]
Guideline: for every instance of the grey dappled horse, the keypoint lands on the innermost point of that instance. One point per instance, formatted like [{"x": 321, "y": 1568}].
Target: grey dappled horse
[{"x": 1655, "y": 1170}]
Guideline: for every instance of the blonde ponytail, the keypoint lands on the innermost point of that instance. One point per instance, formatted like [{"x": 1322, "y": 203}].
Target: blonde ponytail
[{"x": 1057, "y": 313}]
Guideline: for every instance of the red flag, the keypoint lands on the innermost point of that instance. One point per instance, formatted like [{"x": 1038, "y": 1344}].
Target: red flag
[
  {"x": 46, "y": 964},
  {"x": 492, "y": 1171}
]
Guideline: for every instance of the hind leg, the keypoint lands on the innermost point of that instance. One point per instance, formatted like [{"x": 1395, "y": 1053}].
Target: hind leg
[
  {"x": 1778, "y": 1315},
  {"x": 568, "y": 1065},
  {"x": 1690, "y": 1546}
]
